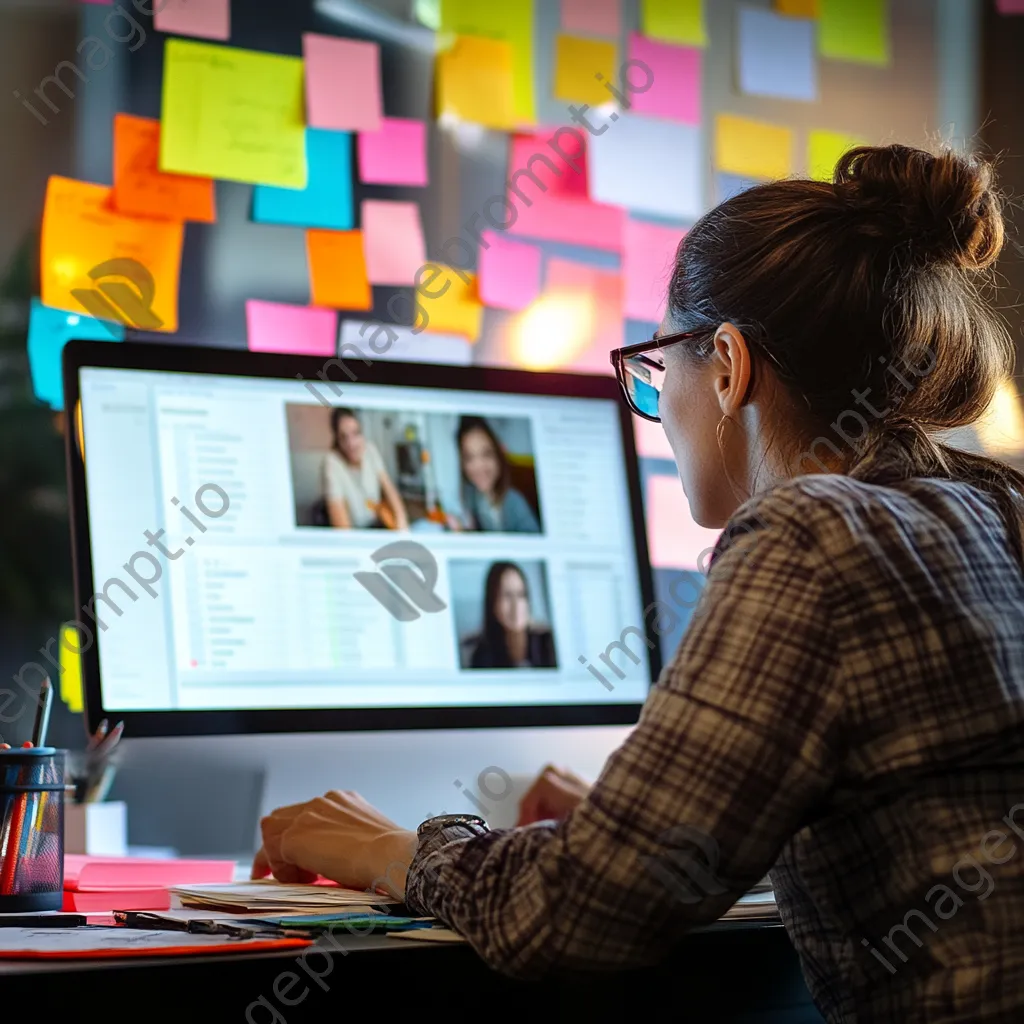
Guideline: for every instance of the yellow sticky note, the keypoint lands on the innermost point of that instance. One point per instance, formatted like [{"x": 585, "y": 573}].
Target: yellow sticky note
[
  {"x": 824, "y": 150},
  {"x": 510, "y": 21},
  {"x": 578, "y": 62},
  {"x": 233, "y": 114},
  {"x": 798, "y": 8},
  {"x": 450, "y": 304},
  {"x": 753, "y": 149},
  {"x": 855, "y": 30},
  {"x": 106, "y": 264},
  {"x": 674, "y": 21},
  {"x": 474, "y": 82},
  {"x": 71, "y": 669}
]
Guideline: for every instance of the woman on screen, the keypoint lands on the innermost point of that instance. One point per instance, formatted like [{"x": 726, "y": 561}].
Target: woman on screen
[
  {"x": 489, "y": 501},
  {"x": 846, "y": 708},
  {"x": 358, "y": 490},
  {"x": 508, "y": 638}
]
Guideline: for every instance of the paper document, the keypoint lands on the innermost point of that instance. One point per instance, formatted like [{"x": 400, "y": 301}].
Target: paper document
[{"x": 266, "y": 895}]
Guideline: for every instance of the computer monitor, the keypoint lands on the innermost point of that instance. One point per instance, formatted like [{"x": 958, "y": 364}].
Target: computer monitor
[{"x": 263, "y": 545}]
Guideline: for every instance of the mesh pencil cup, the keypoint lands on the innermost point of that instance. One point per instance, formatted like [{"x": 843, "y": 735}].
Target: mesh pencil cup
[{"x": 31, "y": 829}]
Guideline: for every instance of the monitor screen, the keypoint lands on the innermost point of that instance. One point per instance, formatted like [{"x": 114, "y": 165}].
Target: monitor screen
[{"x": 259, "y": 543}]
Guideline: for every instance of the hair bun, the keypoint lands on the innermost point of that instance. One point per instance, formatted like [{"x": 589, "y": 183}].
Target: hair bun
[{"x": 943, "y": 208}]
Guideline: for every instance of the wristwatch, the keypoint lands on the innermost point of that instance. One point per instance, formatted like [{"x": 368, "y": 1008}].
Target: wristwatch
[{"x": 452, "y": 826}]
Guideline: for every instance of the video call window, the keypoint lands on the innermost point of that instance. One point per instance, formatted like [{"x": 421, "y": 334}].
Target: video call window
[
  {"x": 382, "y": 469},
  {"x": 502, "y": 614}
]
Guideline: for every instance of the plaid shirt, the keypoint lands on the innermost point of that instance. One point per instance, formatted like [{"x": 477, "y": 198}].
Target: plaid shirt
[{"x": 846, "y": 710}]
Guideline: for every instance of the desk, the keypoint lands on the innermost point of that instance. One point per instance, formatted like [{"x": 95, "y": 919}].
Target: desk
[{"x": 730, "y": 973}]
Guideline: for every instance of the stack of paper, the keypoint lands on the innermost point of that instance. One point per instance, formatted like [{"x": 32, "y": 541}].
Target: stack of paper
[
  {"x": 265, "y": 896},
  {"x": 753, "y": 906}
]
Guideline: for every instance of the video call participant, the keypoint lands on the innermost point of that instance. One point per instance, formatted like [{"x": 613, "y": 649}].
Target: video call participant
[
  {"x": 489, "y": 501},
  {"x": 507, "y": 639},
  {"x": 358, "y": 491}
]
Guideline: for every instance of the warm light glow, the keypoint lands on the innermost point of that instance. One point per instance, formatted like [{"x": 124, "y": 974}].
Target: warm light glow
[
  {"x": 553, "y": 331},
  {"x": 1001, "y": 429},
  {"x": 67, "y": 270}
]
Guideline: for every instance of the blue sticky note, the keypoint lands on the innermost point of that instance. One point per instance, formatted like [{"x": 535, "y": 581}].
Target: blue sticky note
[
  {"x": 729, "y": 185},
  {"x": 326, "y": 201},
  {"x": 777, "y": 55},
  {"x": 48, "y": 332}
]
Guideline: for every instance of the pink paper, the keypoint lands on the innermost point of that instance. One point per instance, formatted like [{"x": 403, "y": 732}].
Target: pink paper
[
  {"x": 600, "y": 319},
  {"x": 567, "y": 156},
  {"x": 574, "y": 221},
  {"x": 674, "y": 539},
  {"x": 591, "y": 17},
  {"x": 342, "y": 83},
  {"x": 392, "y": 241},
  {"x": 1010, "y": 6},
  {"x": 395, "y": 155},
  {"x": 297, "y": 330},
  {"x": 508, "y": 273},
  {"x": 648, "y": 253},
  {"x": 208, "y": 19},
  {"x": 651, "y": 442},
  {"x": 675, "y": 77}
]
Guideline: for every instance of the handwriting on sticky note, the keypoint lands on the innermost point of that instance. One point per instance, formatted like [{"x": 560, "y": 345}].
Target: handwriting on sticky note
[
  {"x": 337, "y": 270},
  {"x": 142, "y": 189},
  {"x": 98, "y": 261},
  {"x": 297, "y": 330},
  {"x": 752, "y": 149},
  {"x": 234, "y": 114}
]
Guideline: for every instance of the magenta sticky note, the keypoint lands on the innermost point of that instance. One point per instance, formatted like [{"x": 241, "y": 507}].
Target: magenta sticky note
[
  {"x": 394, "y": 155},
  {"x": 1010, "y": 6},
  {"x": 508, "y": 272},
  {"x": 673, "y": 84},
  {"x": 648, "y": 253},
  {"x": 674, "y": 539},
  {"x": 392, "y": 241},
  {"x": 207, "y": 19},
  {"x": 297, "y": 330},
  {"x": 573, "y": 221},
  {"x": 342, "y": 83},
  {"x": 557, "y": 159},
  {"x": 592, "y": 17}
]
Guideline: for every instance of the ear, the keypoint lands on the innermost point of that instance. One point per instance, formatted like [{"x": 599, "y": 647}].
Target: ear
[{"x": 735, "y": 369}]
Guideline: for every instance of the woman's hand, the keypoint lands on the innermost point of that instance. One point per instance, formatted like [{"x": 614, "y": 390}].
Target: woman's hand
[
  {"x": 339, "y": 836},
  {"x": 552, "y": 796}
]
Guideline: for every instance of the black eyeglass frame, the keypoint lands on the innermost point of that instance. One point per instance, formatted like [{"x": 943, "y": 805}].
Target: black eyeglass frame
[{"x": 620, "y": 355}]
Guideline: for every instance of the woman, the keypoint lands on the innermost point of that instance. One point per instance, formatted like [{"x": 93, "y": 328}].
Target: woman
[
  {"x": 508, "y": 640},
  {"x": 358, "y": 490},
  {"x": 489, "y": 501},
  {"x": 847, "y": 706}
]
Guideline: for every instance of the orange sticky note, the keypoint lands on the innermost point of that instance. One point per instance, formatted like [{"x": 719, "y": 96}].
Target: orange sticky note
[
  {"x": 113, "y": 267},
  {"x": 582, "y": 66},
  {"x": 474, "y": 82},
  {"x": 337, "y": 270},
  {"x": 450, "y": 304},
  {"x": 141, "y": 189}
]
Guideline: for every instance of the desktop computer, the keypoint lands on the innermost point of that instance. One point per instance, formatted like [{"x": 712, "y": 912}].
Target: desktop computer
[{"x": 268, "y": 543}]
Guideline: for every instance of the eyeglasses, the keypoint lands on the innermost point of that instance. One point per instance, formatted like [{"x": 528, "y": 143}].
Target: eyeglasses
[{"x": 640, "y": 371}]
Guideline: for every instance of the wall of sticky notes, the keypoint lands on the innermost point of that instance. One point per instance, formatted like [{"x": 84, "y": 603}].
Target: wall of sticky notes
[{"x": 296, "y": 170}]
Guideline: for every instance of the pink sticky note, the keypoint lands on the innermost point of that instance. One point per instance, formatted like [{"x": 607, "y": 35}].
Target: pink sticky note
[
  {"x": 648, "y": 253},
  {"x": 600, "y": 316},
  {"x": 651, "y": 442},
  {"x": 1010, "y": 6},
  {"x": 674, "y": 539},
  {"x": 574, "y": 221},
  {"x": 508, "y": 273},
  {"x": 209, "y": 19},
  {"x": 675, "y": 80},
  {"x": 297, "y": 330},
  {"x": 342, "y": 83},
  {"x": 557, "y": 159},
  {"x": 395, "y": 155},
  {"x": 591, "y": 17},
  {"x": 392, "y": 241}
]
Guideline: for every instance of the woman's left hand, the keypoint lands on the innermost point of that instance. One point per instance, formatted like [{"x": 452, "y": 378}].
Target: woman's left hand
[{"x": 338, "y": 836}]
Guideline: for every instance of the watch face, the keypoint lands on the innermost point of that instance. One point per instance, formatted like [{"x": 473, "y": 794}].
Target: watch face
[{"x": 473, "y": 822}]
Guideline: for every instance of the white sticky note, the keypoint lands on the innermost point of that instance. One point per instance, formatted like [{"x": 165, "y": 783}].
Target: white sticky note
[
  {"x": 674, "y": 539},
  {"x": 402, "y": 344},
  {"x": 667, "y": 181}
]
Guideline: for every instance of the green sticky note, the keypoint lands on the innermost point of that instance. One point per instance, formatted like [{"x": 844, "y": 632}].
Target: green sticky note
[
  {"x": 510, "y": 21},
  {"x": 824, "y": 150},
  {"x": 233, "y": 114},
  {"x": 855, "y": 30},
  {"x": 674, "y": 21}
]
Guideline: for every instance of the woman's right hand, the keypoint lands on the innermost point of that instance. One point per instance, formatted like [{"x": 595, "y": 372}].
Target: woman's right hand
[{"x": 553, "y": 795}]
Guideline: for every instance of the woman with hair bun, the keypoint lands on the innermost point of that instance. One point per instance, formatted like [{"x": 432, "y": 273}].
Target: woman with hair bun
[{"x": 846, "y": 709}]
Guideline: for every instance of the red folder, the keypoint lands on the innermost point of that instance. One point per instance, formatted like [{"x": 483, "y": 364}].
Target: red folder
[
  {"x": 83, "y": 873},
  {"x": 99, "y": 901}
]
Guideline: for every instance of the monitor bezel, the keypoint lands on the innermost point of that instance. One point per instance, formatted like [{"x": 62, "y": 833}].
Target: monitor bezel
[{"x": 181, "y": 358}]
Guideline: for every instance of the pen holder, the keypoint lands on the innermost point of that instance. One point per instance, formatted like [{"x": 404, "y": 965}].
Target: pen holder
[{"x": 31, "y": 829}]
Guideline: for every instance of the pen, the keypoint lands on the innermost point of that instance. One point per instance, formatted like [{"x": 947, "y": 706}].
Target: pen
[{"x": 43, "y": 713}]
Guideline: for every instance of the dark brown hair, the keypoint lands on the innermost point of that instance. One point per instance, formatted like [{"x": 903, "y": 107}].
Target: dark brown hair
[
  {"x": 867, "y": 286},
  {"x": 467, "y": 424}
]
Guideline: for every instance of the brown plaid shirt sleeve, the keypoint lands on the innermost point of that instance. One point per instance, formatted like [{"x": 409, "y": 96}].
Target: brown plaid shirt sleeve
[{"x": 785, "y": 725}]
